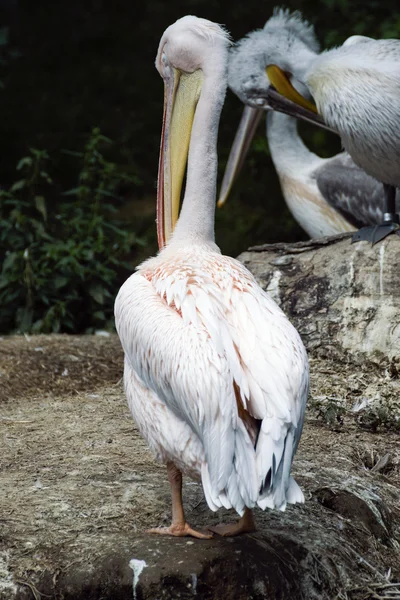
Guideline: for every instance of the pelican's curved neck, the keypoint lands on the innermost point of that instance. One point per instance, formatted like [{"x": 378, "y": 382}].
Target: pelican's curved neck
[
  {"x": 287, "y": 149},
  {"x": 196, "y": 220}
]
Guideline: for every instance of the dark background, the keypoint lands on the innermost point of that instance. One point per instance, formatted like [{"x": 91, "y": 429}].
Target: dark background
[
  {"x": 67, "y": 66},
  {"x": 81, "y": 64}
]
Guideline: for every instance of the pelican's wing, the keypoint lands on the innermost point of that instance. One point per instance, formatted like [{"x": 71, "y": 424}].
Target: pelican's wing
[
  {"x": 348, "y": 189},
  {"x": 269, "y": 366},
  {"x": 273, "y": 383},
  {"x": 171, "y": 351},
  {"x": 223, "y": 356}
]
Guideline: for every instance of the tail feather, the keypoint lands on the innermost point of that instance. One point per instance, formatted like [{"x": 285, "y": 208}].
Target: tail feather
[
  {"x": 269, "y": 451},
  {"x": 223, "y": 498},
  {"x": 259, "y": 476},
  {"x": 245, "y": 466},
  {"x": 294, "y": 494},
  {"x": 211, "y": 499},
  {"x": 242, "y": 487},
  {"x": 234, "y": 495},
  {"x": 283, "y": 488}
]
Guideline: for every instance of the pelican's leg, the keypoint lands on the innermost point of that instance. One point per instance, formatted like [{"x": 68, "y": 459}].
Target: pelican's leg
[
  {"x": 246, "y": 524},
  {"x": 179, "y": 527},
  {"x": 376, "y": 233}
]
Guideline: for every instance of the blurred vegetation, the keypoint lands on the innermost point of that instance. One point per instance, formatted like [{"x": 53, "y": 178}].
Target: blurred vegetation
[
  {"x": 59, "y": 268},
  {"x": 70, "y": 66}
]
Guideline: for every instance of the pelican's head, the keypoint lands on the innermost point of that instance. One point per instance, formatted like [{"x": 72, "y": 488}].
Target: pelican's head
[
  {"x": 287, "y": 41},
  {"x": 332, "y": 77},
  {"x": 287, "y": 44},
  {"x": 191, "y": 51}
]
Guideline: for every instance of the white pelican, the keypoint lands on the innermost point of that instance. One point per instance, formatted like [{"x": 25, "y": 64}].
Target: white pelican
[
  {"x": 216, "y": 377},
  {"x": 325, "y": 196},
  {"x": 357, "y": 91}
]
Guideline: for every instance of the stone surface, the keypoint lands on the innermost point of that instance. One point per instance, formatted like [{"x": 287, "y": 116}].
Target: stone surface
[
  {"x": 342, "y": 297},
  {"x": 78, "y": 489}
]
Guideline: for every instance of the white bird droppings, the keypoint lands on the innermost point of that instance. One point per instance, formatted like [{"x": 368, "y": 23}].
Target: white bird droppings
[
  {"x": 194, "y": 582},
  {"x": 351, "y": 270},
  {"x": 273, "y": 286},
  {"x": 137, "y": 567},
  {"x": 381, "y": 261}
]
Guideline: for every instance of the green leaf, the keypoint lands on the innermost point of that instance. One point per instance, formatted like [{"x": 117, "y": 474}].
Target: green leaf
[
  {"x": 105, "y": 193},
  {"x": 4, "y": 282},
  {"x": 40, "y": 204},
  {"x": 96, "y": 291},
  {"x": 60, "y": 281},
  {"x": 24, "y": 162},
  {"x": 46, "y": 176},
  {"x": 39, "y": 154},
  {"x": 18, "y": 185},
  {"x": 37, "y": 326},
  {"x": 9, "y": 260},
  {"x": 99, "y": 314},
  {"x": 76, "y": 191}
]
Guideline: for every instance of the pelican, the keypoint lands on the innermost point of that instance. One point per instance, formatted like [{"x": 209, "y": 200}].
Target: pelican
[
  {"x": 215, "y": 375},
  {"x": 325, "y": 196},
  {"x": 356, "y": 88}
]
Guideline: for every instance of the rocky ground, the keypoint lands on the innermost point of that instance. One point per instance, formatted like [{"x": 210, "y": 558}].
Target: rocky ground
[{"x": 78, "y": 488}]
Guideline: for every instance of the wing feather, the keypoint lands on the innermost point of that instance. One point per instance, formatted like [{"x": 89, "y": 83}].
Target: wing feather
[
  {"x": 198, "y": 391},
  {"x": 221, "y": 345},
  {"x": 270, "y": 368},
  {"x": 348, "y": 189}
]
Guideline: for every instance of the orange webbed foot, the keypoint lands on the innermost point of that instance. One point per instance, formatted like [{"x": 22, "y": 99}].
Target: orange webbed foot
[
  {"x": 245, "y": 525},
  {"x": 181, "y": 530}
]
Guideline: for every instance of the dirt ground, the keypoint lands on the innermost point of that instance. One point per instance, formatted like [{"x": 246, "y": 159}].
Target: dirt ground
[{"x": 77, "y": 480}]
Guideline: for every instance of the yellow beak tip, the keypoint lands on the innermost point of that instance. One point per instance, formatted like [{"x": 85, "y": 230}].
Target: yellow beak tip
[{"x": 283, "y": 85}]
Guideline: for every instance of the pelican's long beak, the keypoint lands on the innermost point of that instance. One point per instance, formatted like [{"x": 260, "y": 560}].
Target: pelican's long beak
[
  {"x": 283, "y": 97},
  {"x": 244, "y": 135},
  {"x": 181, "y": 94}
]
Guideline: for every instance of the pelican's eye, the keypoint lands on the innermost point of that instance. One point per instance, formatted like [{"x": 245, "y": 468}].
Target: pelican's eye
[{"x": 164, "y": 59}]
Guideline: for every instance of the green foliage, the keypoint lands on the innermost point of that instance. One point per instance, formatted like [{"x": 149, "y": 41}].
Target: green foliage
[
  {"x": 60, "y": 267},
  {"x": 105, "y": 74}
]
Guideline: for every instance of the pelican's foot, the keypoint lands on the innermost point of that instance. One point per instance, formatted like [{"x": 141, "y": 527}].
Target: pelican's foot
[
  {"x": 375, "y": 233},
  {"x": 245, "y": 525},
  {"x": 181, "y": 530}
]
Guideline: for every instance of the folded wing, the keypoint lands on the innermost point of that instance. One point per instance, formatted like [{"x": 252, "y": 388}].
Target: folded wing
[{"x": 224, "y": 358}]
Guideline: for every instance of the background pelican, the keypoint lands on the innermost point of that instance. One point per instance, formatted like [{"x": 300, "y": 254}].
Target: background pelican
[
  {"x": 215, "y": 375},
  {"x": 357, "y": 91},
  {"x": 325, "y": 196}
]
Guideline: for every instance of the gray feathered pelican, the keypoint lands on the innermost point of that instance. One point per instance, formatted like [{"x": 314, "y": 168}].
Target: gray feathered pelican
[
  {"x": 325, "y": 196},
  {"x": 356, "y": 88},
  {"x": 215, "y": 375}
]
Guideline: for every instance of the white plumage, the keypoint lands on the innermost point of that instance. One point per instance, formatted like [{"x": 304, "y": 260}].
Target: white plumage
[
  {"x": 298, "y": 168},
  {"x": 357, "y": 90},
  {"x": 326, "y": 196},
  {"x": 215, "y": 375},
  {"x": 194, "y": 325}
]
